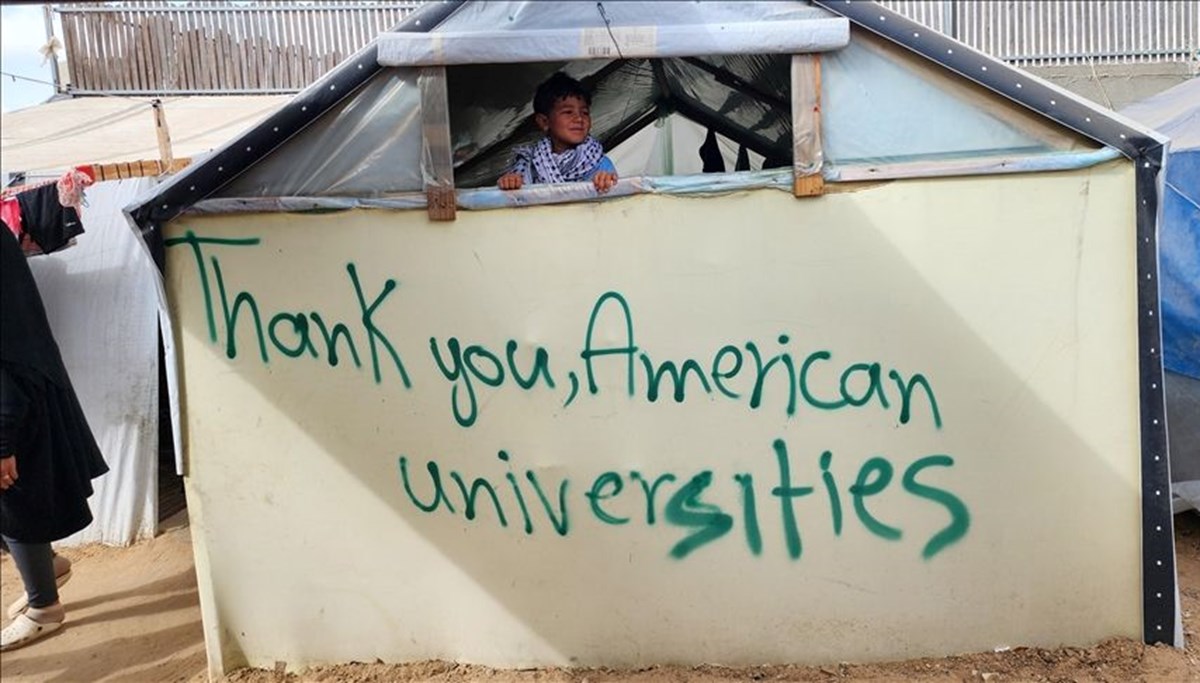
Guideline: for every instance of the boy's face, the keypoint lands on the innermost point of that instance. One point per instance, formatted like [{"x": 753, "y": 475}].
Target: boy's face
[{"x": 568, "y": 124}]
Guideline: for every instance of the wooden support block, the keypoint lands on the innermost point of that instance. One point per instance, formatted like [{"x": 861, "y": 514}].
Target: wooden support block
[
  {"x": 809, "y": 186},
  {"x": 442, "y": 203}
]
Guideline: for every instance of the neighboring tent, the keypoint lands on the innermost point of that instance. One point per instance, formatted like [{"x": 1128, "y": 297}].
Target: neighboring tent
[
  {"x": 1176, "y": 114},
  {"x": 100, "y": 297},
  {"x": 100, "y": 294},
  {"x": 317, "y": 453}
]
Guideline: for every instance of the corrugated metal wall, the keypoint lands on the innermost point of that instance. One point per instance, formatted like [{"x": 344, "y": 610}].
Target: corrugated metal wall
[{"x": 1056, "y": 32}]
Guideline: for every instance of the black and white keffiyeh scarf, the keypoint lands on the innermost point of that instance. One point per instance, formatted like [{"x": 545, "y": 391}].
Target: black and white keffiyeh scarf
[{"x": 539, "y": 164}]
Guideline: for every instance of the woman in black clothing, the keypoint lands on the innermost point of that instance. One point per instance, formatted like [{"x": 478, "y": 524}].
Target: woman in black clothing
[{"x": 48, "y": 456}]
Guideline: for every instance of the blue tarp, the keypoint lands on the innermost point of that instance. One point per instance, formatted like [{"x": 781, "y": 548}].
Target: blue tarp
[{"x": 1176, "y": 114}]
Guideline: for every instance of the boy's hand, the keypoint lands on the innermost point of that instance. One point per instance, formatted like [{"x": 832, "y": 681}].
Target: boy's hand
[
  {"x": 511, "y": 181},
  {"x": 604, "y": 181}
]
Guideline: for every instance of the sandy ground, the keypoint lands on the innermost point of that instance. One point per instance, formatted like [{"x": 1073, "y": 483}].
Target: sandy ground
[{"x": 134, "y": 616}]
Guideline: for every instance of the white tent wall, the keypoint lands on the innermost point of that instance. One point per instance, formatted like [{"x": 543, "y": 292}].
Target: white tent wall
[{"x": 104, "y": 313}]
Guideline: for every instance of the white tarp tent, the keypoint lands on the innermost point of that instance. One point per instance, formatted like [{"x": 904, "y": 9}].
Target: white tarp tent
[{"x": 102, "y": 302}]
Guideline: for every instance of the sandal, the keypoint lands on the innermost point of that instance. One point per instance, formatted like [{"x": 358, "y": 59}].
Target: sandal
[
  {"x": 23, "y": 631},
  {"x": 62, "y": 575}
]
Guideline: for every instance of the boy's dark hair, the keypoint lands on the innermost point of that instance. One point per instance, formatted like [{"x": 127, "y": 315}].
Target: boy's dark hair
[{"x": 554, "y": 89}]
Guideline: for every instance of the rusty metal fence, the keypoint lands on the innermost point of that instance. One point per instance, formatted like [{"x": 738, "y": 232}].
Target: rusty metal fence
[
  {"x": 207, "y": 47},
  {"x": 1061, "y": 32}
]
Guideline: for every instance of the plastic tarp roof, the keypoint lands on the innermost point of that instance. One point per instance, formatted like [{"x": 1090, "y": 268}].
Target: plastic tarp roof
[
  {"x": 880, "y": 104},
  {"x": 1176, "y": 114}
]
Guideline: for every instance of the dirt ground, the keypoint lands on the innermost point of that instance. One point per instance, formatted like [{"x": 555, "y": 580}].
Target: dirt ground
[{"x": 134, "y": 616}]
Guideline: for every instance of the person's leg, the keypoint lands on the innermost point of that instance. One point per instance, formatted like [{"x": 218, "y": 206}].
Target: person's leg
[
  {"x": 62, "y": 574},
  {"x": 35, "y": 563}
]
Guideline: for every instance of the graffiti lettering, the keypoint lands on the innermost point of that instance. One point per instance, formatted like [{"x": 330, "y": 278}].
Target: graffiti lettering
[
  {"x": 703, "y": 521},
  {"x": 296, "y": 338}
]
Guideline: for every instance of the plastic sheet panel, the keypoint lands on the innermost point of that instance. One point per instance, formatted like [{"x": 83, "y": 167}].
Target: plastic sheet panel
[
  {"x": 882, "y": 104},
  {"x": 368, "y": 145}
]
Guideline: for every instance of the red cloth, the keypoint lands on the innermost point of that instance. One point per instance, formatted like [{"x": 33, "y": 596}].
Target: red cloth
[{"x": 10, "y": 213}]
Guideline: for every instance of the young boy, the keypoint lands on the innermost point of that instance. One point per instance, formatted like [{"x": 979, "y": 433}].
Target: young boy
[{"x": 568, "y": 153}]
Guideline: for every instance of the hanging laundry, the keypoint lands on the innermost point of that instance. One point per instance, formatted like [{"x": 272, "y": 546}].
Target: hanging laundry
[
  {"x": 743, "y": 159},
  {"x": 10, "y": 213},
  {"x": 48, "y": 223},
  {"x": 45, "y": 217},
  {"x": 72, "y": 184},
  {"x": 710, "y": 154}
]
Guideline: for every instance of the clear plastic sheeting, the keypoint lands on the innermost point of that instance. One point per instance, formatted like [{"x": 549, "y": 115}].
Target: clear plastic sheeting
[
  {"x": 436, "y": 165},
  {"x": 882, "y": 104},
  {"x": 881, "y": 107},
  {"x": 368, "y": 145}
]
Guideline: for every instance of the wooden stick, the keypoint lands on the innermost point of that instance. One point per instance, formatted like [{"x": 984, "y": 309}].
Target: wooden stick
[{"x": 164, "y": 135}]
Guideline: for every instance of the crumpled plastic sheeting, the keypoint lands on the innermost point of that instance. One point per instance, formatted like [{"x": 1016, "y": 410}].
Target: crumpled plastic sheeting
[
  {"x": 979, "y": 165},
  {"x": 495, "y": 198},
  {"x": 701, "y": 183}
]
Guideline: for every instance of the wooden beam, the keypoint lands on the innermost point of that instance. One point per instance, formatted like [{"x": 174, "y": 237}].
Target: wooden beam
[
  {"x": 807, "y": 155},
  {"x": 437, "y": 159},
  {"x": 164, "y": 135}
]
